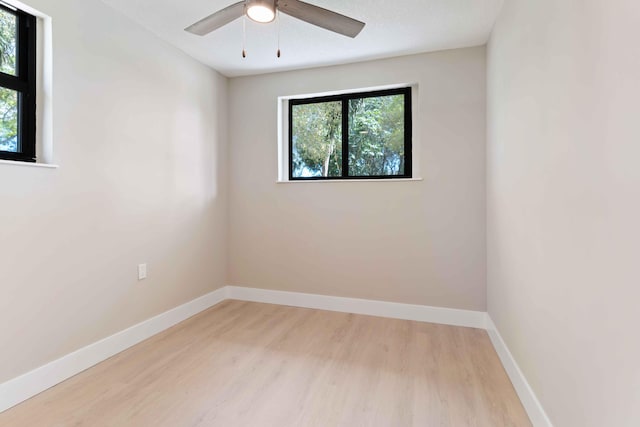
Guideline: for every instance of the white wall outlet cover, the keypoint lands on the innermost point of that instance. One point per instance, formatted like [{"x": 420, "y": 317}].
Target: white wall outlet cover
[{"x": 142, "y": 271}]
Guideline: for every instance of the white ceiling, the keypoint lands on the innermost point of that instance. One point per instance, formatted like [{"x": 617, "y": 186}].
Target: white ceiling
[{"x": 394, "y": 27}]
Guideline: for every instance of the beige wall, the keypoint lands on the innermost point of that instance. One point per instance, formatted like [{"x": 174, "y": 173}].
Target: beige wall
[
  {"x": 139, "y": 134},
  {"x": 564, "y": 203},
  {"x": 413, "y": 242}
]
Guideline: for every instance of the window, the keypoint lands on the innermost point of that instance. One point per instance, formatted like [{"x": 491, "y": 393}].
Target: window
[
  {"x": 351, "y": 136},
  {"x": 17, "y": 85}
]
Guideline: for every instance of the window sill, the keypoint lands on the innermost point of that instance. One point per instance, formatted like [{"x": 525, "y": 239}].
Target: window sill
[
  {"x": 331, "y": 181},
  {"x": 28, "y": 164}
]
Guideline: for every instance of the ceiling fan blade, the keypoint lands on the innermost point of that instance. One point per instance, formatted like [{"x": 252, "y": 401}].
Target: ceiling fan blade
[
  {"x": 217, "y": 20},
  {"x": 320, "y": 17}
]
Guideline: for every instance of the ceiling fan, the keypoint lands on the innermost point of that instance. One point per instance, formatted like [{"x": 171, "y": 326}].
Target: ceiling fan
[{"x": 265, "y": 11}]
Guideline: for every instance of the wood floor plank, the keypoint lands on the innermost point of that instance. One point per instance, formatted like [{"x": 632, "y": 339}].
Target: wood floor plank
[{"x": 251, "y": 364}]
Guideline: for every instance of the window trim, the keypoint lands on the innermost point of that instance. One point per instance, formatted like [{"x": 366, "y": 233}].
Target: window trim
[
  {"x": 25, "y": 83},
  {"x": 344, "y": 98}
]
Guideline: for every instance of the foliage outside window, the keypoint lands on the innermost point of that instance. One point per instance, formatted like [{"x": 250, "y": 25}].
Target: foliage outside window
[
  {"x": 17, "y": 85},
  {"x": 351, "y": 136}
]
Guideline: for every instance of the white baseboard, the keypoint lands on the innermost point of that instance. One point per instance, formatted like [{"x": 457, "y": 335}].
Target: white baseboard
[
  {"x": 421, "y": 313},
  {"x": 28, "y": 385},
  {"x": 528, "y": 398}
]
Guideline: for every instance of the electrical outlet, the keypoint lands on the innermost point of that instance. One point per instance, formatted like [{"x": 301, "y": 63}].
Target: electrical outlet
[{"x": 142, "y": 271}]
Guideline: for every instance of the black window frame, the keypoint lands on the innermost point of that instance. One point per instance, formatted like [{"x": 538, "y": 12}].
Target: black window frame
[
  {"x": 345, "y": 98},
  {"x": 24, "y": 82}
]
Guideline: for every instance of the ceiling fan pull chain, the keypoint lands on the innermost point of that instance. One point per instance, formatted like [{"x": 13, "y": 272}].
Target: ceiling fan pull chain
[
  {"x": 278, "y": 17},
  {"x": 244, "y": 36}
]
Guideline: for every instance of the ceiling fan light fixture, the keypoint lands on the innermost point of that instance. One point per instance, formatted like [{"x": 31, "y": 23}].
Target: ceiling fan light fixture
[
  {"x": 262, "y": 11},
  {"x": 265, "y": 11}
]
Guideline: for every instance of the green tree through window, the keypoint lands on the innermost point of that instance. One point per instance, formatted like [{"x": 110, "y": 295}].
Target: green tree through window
[
  {"x": 8, "y": 97},
  {"x": 317, "y": 136},
  {"x": 376, "y": 136}
]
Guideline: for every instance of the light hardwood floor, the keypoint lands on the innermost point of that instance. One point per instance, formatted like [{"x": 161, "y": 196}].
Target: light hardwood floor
[{"x": 250, "y": 364}]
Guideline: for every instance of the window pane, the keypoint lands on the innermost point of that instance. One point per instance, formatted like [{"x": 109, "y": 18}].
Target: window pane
[
  {"x": 8, "y": 31},
  {"x": 376, "y": 136},
  {"x": 317, "y": 140},
  {"x": 8, "y": 120}
]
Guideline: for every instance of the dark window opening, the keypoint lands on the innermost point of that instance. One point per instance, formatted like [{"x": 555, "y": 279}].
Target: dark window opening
[
  {"x": 17, "y": 85},
  {"x": 351, "y": 136}
]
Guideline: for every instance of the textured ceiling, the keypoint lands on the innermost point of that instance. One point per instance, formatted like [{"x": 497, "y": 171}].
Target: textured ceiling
[{"x": 393, "y": 28}]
